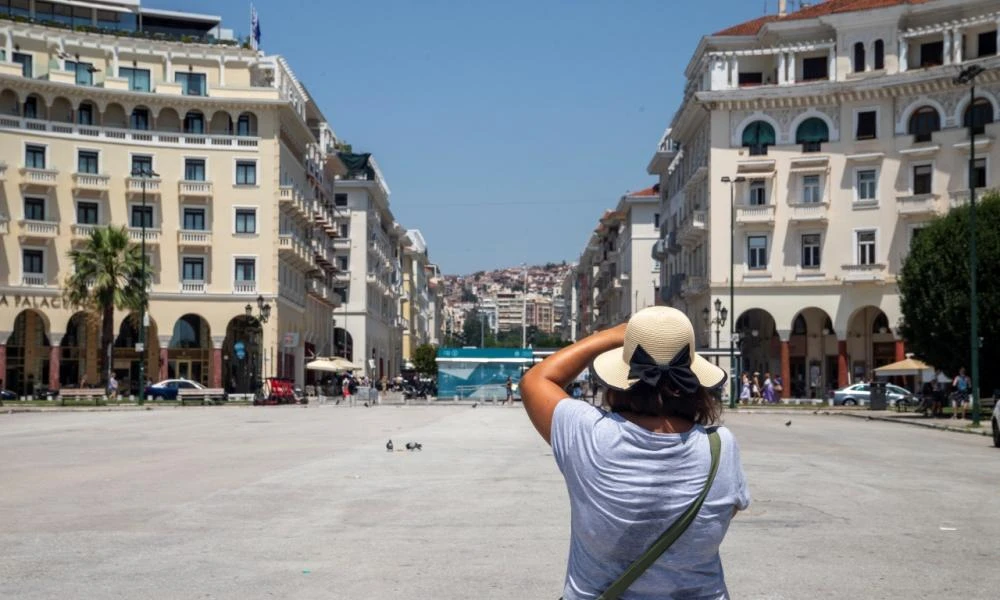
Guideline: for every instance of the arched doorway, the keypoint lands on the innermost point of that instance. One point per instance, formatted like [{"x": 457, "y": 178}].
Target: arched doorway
[
  {"x": 241, "y": 358},
  {"x": 28, "y": 353},
  {"x": 81, "y": 332},
  {"x": 760, "y": 347},
  {"x": 190, "y": 350},
  {"x": 812, "y": 354},
  {"x": 343, "y": 343},
  {"x": 870, "y": 342},
  {"x": 127, "y": 356}
]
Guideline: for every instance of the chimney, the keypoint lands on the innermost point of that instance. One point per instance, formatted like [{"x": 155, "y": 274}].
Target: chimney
[{"x": 782, "y": 7}]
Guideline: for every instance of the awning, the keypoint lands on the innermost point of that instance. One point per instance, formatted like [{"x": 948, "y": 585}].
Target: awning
[
  {"x": 335, "y": 364},
  {"x": 909, "y": 366}
]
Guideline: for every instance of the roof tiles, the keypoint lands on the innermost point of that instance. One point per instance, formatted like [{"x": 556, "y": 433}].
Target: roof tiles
[{"x": 829, "y": 7}]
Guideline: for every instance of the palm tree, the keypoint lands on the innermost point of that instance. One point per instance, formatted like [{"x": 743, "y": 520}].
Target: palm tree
[{"x": 107, "y": 274}]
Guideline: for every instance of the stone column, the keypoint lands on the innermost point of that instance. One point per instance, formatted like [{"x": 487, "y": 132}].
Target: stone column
[
  {"x": 786, "y": 371},
  {"x": 841, "y": 363},
  {"x": 9, "y": 45},
  {"x": 164, "y": 355},
  {"x": 3, "y": 362},
  {"x": 736, "y": 72},
  {"x": 791, "y": 68},
  {"x": 831, "y": 63},
  {"x": 54, "y": 356},
  {"x": 217, "y": 342},
  {"x": 782, "y": 69},
  {"x": 904, "y": 55},
  {"x": 947, "y": 47},
  {"x": 114, "y": 62},
  {"x": 900, "y": 351},
  {"x": 958, "y": 46},
  {"x": 222, "y": 71}
]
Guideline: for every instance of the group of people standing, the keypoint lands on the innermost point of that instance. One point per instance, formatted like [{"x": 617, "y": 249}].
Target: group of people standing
[{"x": 755, "y": 391}]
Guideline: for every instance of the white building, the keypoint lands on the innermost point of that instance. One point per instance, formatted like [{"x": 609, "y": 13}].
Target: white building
[{"x": 843, "y": 133}]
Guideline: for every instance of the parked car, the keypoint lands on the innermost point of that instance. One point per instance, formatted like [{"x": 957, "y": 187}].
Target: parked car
[
  {"x": 168, "y": 388},
  {"x": 859, "y": 393},
  {"x": 996, "y": 424}
]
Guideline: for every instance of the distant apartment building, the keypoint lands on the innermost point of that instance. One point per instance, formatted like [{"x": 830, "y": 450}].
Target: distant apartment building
[
  {"x": 539, "y": 313},
  {"x": 510, "y": 310}
]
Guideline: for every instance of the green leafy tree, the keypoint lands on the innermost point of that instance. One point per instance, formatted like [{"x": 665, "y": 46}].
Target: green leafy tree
[
  {"x": 934, "y": 291},
  {"x": 425, "y": 359},
  {"x": 107, "y": 274},
  {"x": 472, "y": 331}
]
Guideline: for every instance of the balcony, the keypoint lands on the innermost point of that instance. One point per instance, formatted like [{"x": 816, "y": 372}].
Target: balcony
[
  {"x": 133, "y": 185},
  {"x": 808, "y": 212},
  {"x": 290, "y": 195},
  {"x": 341, "y": 243},
  {"x": 864, "y": 273},
  {"x": 193, "y": 287},
  {"x": 91, "y": 182},
  {"x": 244, "y": 287},
  {"x": 755, "y": 215},
  {"x": 961, "y": 197},
  {"x": 195, "y": 189},
  {"x": 693, "y": 228},
  {"x": 192, "y": 238},
  {"x": 695, "y": 285},
  {"x": 39, "y": 230},
  {"x": 128, "y": 136},
  {"x": 371, "y": 278},
  {"x": 38, "y": 178},
  {"x": 34, "y": 280},
  {"x": 920, "y": 205},
  {"x": 82, "y": 232},
  {"x": 152, "y": 235}
]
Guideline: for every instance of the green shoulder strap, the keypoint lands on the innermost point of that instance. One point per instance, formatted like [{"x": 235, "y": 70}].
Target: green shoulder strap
[{"x": 669, "y": 536}]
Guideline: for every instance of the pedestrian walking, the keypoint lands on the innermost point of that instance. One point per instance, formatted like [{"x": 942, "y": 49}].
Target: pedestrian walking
[
  {"x": 960, "y": 399},
  {"x": 345, "y": 388},
  {"x": 510, "y": 391},
  {"x": 745, "y": 392},
  {"x": 755, "y": 388},
  {"x": 667, "y": 460},
  {"x": 768, "y": 389},
  {"x": 113, "y": 387},
  {"x": 383, "y": 385}
]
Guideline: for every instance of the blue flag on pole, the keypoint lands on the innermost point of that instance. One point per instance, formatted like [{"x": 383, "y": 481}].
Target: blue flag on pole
[{"x": 254, "y": 28}]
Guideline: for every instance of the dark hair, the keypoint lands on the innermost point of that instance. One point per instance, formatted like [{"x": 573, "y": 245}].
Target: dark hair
[{"x": 700, "y": 407}]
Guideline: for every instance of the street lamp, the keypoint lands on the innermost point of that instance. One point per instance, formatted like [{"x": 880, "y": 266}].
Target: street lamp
[
  {"x": 482, "y": 330},
  {"x": 524, "y": 309},
  {"x": 721, "y": 312},
  {"x": 732, "y": 267},
  {"x": 144, "y": 174},
  {"x": 263, "y": 314},
  {"x": 968, "y": 77}
]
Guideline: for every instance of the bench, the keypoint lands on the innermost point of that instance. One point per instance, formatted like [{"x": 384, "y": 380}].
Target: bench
[
  {"x": 81, "y": 396},
  {"x": 201, "y": 397}
]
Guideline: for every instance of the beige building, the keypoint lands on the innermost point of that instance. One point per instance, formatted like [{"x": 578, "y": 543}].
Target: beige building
[
  {"x": 418, "y": 303},
  {"x": 539, "y": 313},
  {"x": 843, "y": 134},
  {"x": 236, "y": 206}
]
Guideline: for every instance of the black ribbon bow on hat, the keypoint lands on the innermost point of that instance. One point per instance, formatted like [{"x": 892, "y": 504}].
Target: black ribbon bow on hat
[{"x": 677, "y": 372}]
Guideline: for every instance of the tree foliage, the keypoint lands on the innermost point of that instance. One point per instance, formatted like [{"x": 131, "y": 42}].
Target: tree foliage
[
  {"x": 425, "y": 359},
  {"x": 107, "y": 275},
  {"x": 934, "y": 291}
]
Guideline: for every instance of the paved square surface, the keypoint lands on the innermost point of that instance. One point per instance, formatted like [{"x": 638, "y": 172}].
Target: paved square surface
[{"x": 291, "y": 502}]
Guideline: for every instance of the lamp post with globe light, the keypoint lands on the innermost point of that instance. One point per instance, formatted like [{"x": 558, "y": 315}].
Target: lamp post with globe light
[
  {"x": 721, "y": 312},
  {"x": 262, "y": 316}
]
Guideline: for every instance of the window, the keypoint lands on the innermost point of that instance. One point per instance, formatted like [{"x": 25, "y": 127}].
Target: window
[
  {"x": 656, "y": 220},
  {"x": 246, "y": 220},
  {"x": 194, "y": 219},
  {"x": 193, "y": 269},
  {"x": 31, "y": 108},
  {"x": 85, "y": 114},
  {"x": 879, "y": 51},
  {"x": 342, "y": 263},
  {"x": 26, "y": 64},
  {"x": 243, "y": 125},
  {"x": 866, "y": 185},
  {"x": 142, "y": 216},
  {"x": 18, "y": 8},
  {"x": 757, "y": 252},
  {"x": 978, "y": 115},
  {"x": 988, "y": 43},
  {"x": 859, "y": 57},
  {"x": 34, "y": 156},
  {"x": 84, "y": 72},
  {"x": 923, "y": 123},
  {"x": 194, "y": 169},
  {"x": 246, "y": 172},
  {"x": 979, "y": 173},
  {"x": 810, "y": 251},
  {"x": 344, "y": 231},
  {"x": 138, "y": 79},
  {"x": 811, "y": 191},
  {"x": 192, "y": 84},
  {"x": 914, "y": 234},
  {"x": 758, "y": 193},
  {"x": 867, "y": 125},
  {"x": 922, "y": 176},
  {"x": 86, "y": 213},
  {"x": 757, "y": 136},
  {"x": 194, "y": 122},
  {"x": 34, "y": 209},
  {"x": 932, "y": 54},
  {"x": 246, "y": 269},
  {"x": 811, "y": 133},
  {"x": 814, "y": 68},
  {"x": 748, "y": 79},
  {"x": 86, "y": 162},
  {"x": 33, "y": 261},
  {"x": 866, "y": 247},
  {"x": 142, "y": 164},
  {"x": 139, "y": 119}
]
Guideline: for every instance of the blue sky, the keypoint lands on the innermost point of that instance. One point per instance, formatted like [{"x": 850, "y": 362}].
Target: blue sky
[{"x": 504, "y": 129}]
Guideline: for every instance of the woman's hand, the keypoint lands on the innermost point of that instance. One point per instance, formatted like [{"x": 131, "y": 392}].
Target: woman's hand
[{"x": 542, "y": 388}]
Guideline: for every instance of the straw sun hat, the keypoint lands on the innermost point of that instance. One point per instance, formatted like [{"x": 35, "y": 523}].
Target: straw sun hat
[{"x": 659, "y": 347}]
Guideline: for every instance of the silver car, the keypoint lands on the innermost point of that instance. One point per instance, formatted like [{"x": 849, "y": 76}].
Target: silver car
[{"x": 859, "y": 394}]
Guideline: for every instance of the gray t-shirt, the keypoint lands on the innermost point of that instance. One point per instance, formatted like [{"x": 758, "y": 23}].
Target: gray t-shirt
[{"x": 626, "y": 486}]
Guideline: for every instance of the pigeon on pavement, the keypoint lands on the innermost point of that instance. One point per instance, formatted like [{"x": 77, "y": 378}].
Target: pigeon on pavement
[
  {"x": 475, "y": 405},
  {"x": 414, "y": 446},
  {"x": 788, "y": 423},
  {"x": 388, "y": 446}
]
